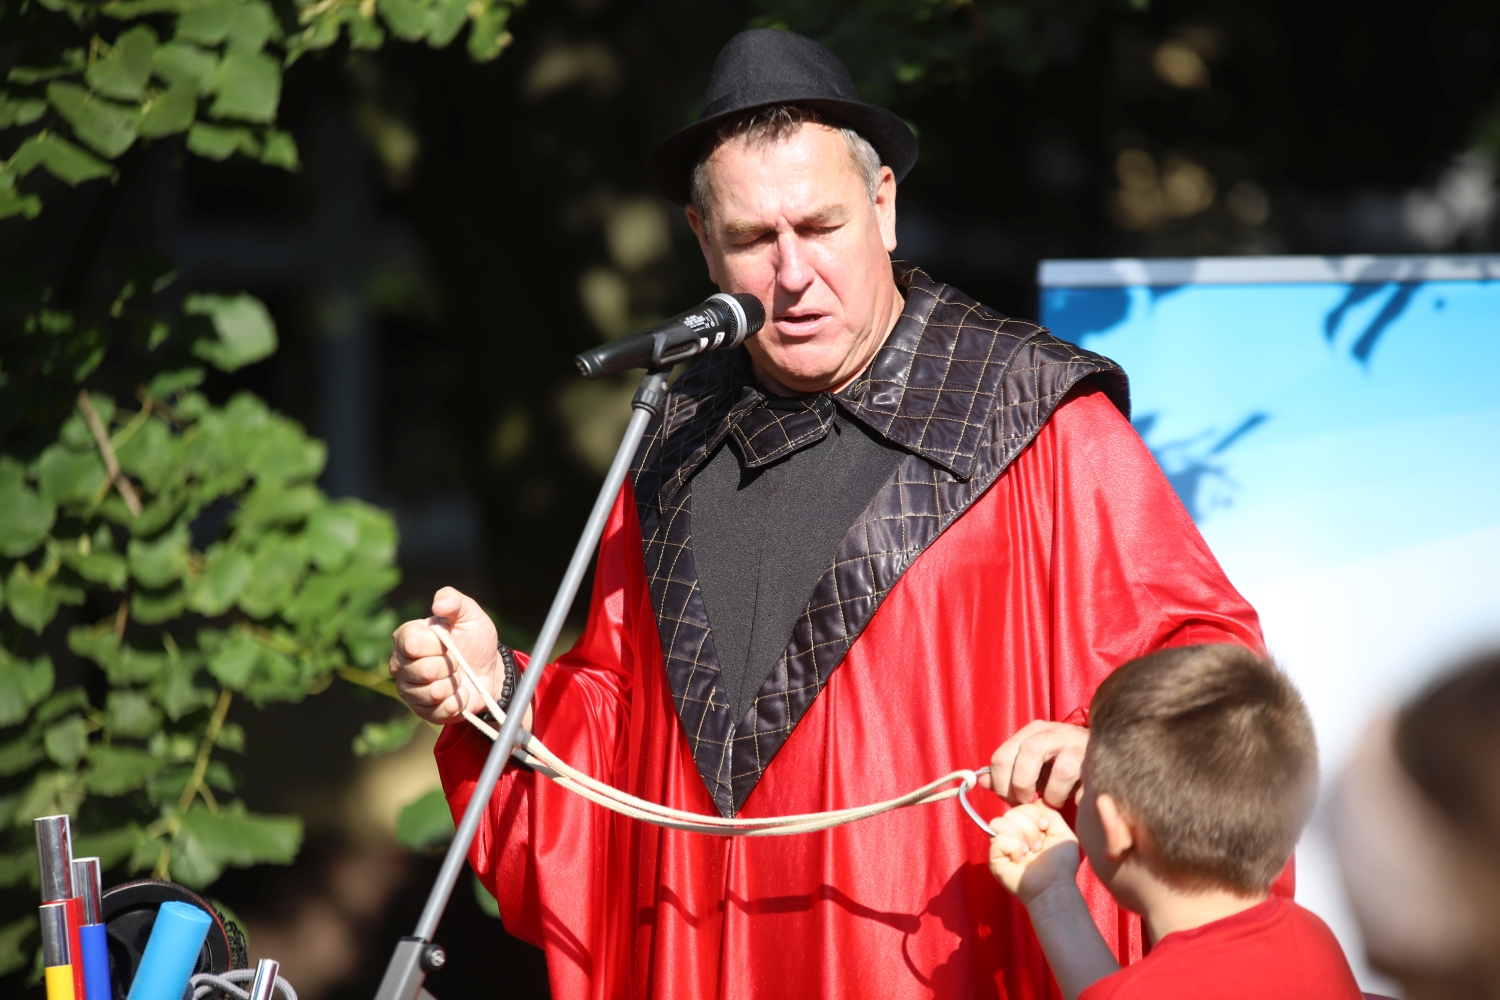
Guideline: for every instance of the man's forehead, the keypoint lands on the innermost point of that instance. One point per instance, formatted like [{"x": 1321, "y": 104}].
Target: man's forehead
[{"x": 806, "y": 177}]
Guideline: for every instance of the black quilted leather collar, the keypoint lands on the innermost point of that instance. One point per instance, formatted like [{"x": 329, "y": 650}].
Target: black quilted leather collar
[{"x": 961, "y": 387}]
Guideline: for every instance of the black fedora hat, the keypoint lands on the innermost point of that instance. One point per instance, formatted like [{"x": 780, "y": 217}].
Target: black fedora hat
[{"x": 765, "y": 66}]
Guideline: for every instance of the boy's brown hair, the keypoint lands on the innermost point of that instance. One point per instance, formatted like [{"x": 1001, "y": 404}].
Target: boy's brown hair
[{"x": 1211, "y": 749}]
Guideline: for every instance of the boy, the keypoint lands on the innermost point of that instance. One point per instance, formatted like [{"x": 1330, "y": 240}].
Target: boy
[{"x": 1201, "y": 769}]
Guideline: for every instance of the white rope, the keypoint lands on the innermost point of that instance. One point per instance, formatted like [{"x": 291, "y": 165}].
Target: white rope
[
  {"x": 602, "y": 794},
  {"x": 205, "y": 983}
]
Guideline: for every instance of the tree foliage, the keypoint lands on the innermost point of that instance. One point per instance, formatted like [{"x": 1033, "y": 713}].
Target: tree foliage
[
  {"x": 180, "y": 546},
  {"x": 887, "y": 43}
]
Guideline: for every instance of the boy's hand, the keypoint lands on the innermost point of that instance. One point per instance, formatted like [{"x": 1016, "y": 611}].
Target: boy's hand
[{"x": 1032, "y": 850}]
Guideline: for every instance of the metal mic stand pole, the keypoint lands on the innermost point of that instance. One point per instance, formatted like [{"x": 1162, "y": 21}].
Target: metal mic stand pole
[{"x": 417, "y": 955}]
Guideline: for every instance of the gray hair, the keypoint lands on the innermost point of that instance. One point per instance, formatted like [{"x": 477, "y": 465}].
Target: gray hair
[{"x": 762, "y": 127}]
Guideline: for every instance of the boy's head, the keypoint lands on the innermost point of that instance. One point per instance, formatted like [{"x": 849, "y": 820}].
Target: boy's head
[{"x": 1207, "y": 754}]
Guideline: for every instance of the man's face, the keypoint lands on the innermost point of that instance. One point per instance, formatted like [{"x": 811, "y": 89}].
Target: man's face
[{"x": 792, "y": 223}]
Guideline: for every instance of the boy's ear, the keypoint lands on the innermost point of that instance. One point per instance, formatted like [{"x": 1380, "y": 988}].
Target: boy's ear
[{"x": 1119, "y": 838}]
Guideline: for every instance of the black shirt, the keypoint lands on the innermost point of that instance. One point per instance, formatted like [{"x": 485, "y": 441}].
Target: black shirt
[{"x": 762, "y": 534}]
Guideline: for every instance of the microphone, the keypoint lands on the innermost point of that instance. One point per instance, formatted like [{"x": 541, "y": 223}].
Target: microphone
[{"x": 722, "y": 321}]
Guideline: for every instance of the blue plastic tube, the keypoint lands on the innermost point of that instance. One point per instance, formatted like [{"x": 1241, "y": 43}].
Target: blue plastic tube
[
  {"x": 176, "y": 939},
  {"x": 95, "y": 941}
]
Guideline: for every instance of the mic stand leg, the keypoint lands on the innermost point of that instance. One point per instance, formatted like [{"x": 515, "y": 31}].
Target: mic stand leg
[{"x": 416, "y": 955}]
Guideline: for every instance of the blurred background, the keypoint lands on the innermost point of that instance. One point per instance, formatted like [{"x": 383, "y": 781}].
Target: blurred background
[{"x": 457, "y": 229}]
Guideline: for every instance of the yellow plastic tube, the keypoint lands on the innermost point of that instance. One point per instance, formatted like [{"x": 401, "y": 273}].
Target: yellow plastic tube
[{"x": 59, "y": 982}]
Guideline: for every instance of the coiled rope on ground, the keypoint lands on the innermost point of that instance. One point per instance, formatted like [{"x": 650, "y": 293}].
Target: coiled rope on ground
[{"x": 543, "y": 760}]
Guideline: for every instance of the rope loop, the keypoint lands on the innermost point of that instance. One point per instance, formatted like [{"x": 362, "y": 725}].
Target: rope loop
[{"x": 955, "y": 784}]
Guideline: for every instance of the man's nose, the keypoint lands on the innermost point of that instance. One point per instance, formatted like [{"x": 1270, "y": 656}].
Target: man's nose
[{"x": 794, "y": 271}]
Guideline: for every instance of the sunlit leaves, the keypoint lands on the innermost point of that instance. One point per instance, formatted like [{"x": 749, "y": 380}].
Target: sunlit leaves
[
  {"x": 123, "y": 71},
  {"x": 58, "y": 157},
  {"x": 207, "y": 842},
  {"x": 23, "y": 684},
  {"x": 66, "y": 741},
  {"x": 377, "y": 738},
  {"x": 245, "y": 330},
  {"x": 131, "y": 714},
  {"x": 25, "y": 518},
  {"x": 169, "y": 112},
  {"x": 158, "y": 563},
  {"x": 108, "y": 127},
  {"x": 425, "y": 823},
  {"x": 248, "y": 85}
]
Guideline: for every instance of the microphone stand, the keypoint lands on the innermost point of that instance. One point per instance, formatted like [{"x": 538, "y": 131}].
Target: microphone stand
[{"x": 417, "y": 954}]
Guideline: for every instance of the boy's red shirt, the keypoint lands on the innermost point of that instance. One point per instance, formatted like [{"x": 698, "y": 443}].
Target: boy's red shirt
[{"x": 1271, "y": 951}]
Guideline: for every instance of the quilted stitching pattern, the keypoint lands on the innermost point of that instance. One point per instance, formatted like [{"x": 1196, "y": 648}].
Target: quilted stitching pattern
[{"x": 962, "y": 387}]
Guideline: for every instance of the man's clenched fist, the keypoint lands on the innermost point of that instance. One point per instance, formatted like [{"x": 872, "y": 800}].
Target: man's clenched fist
[{"x": 433, "y": 686}]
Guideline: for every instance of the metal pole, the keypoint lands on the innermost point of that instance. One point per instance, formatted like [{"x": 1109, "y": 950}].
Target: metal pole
[{"x": 415, "y": 956}]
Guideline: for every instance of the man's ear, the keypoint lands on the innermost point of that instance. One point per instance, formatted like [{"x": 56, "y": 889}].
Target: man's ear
[
  {"x": 885, "y": 208},
  {"x": 1119, "y": 839},
  {"x": 700, "y": 230}
]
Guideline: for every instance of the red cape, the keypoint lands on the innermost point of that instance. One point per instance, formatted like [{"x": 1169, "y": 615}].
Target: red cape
[{"x": 1079, "y": 558}]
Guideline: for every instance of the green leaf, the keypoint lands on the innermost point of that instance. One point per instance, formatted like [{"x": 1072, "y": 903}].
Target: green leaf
[
  {"x": 247, "y": 85},
  {"x": 124, "y": 71},
  {"x": 407, "y": 19},
  {"x": 110, "y": 846},
  {"x": 269, "y": 504},
  {"x": 252, "y": 23},
  {"x": 13, "y": 202},
  {"x": 444, "y": 20},
  {"x": 109, "y": 128},
  {"x": 98, "y": 566},
  {"x": 152, "y": 607},
  {"x": 174, "y": 689},
  {"x": 17, "y": 755},
  {"x": 376, "y": 738},
  {"x": 207, "y": 842},
  {"x": 168, "y": 384},
  {"x": 218, "y": 142},
  {"x": 233, "y": 664},
  {"x": 278, "y": 568},
  {"x": 118, "y": 770},
  {"x": 51, "y": 794},
  {"x": 34, "y": 599},
  {"x": 67, "y": 741},
  {"x": 60, "y": 157},
  {"x": 130, "y": 713},
  {"x": 73, "y": 61},
  {"x": 332, "y": 533},
  {"x": 178, "y": 62},
  {"x": 61, "y": 703},
  {"x": 154, "y": 456},
  {"x": 280, "y": 151},
  {"x": 68, "y": 476},
  {"x": 246, "y": 332},
  {"x": 206, "y": 22},
  {"x": 12, "y": 936},
  {"x": 25, "y": 518},
  {"x": 158, "y": 563},
  {"x": 231, "y": 737},
  {"x": 171, "y": 112},
  {"x": 225, "y": 574},
  {"x": 425, "y": 823},
  {"x": 101, "y": 646},
  {"x": 487, "y": 36},
  {"x": 20, "y": 110}
]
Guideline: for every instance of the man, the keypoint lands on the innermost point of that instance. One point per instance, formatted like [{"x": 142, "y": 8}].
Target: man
[{"x": 894, "y": 531}]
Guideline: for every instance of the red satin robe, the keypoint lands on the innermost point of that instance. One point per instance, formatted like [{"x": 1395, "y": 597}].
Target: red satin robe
[{"x": 1077, "y": 559}]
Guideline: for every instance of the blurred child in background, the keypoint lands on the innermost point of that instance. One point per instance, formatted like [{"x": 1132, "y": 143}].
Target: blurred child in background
[{"x": 1417, "y": 822}]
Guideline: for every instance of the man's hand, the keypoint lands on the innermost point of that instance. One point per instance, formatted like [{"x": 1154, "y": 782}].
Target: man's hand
[
  {"x": 434, "y": 687},
  {"x": 1054, "y": 748},
  {"x": 1033, "y": 850}
]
